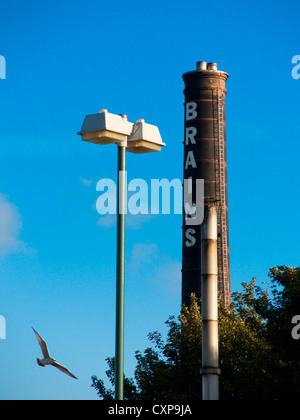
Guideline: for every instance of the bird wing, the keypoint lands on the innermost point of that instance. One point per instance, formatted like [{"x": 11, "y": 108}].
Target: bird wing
[
  {"x": 63, "y": 369},
  {"x": 42, "y": 344}
]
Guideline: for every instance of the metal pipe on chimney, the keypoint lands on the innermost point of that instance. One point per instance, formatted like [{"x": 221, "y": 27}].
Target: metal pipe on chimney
[{"x": 209, "y": 305}]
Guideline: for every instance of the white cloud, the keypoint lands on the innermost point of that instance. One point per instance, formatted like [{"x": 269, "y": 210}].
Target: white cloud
[
  {"x": 168, "y": 276},
  {"x": 137, "y": 221},
  {"x": 143, "y": 255},
  {"x": 109, "y": 220},
  {"x": 10, "y": 227},
  {"x": 86, "y": 182},
  {"x": 148, "y": 263}
]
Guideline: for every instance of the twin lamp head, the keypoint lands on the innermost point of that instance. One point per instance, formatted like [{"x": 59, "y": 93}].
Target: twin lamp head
[{"x": 107, "y": 128}]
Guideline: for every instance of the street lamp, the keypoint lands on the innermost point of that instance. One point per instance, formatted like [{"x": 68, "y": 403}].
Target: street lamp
[{"x": 106, "y": 128}]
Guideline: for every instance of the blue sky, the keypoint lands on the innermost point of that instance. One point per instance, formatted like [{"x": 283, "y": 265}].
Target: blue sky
[{"x": 57, "y": 257}]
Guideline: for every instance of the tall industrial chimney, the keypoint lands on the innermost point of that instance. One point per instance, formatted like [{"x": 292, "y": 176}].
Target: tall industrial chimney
[{"x": 205, "y": 158}]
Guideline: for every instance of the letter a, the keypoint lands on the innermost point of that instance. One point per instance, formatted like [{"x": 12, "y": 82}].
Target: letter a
[
  {"x": 190, "y": 160},
  {"x": 106, "y": 203}
]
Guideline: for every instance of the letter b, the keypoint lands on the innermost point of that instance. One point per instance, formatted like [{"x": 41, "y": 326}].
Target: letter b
[{"x": 190, "y": 112}]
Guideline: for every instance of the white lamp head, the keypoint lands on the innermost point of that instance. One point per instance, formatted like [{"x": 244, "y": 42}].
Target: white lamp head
[
  {"x": 105, "y": 128},
  {"x": 145, "y": 138}
]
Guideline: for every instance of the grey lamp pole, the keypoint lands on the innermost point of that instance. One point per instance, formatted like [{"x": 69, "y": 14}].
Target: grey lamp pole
[{"x": 119, "y": 355}]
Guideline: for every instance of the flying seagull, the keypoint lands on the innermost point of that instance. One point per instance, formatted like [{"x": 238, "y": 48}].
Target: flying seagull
[{"x": 48, "y": 360}]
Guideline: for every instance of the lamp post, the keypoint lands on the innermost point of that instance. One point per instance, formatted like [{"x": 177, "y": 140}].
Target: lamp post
[
  {"x": 106, "y": 128},
  {"x": 119, "y": 358}
]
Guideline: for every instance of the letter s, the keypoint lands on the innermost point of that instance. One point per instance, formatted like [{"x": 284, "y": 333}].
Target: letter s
[{"x": 191, "y": 240}]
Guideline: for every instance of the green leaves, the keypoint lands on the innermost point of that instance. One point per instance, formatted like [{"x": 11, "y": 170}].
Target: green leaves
[{"x": 259, "y": 360}]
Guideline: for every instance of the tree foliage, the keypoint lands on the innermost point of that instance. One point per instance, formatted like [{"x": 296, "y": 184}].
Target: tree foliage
[{"x": 259, "y": 359}]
